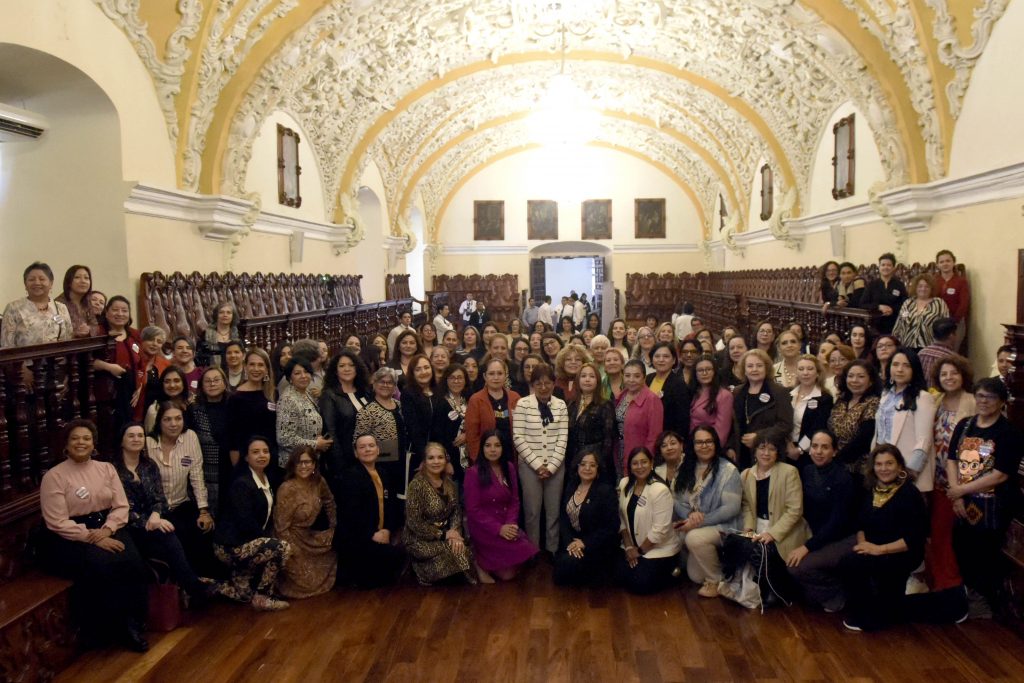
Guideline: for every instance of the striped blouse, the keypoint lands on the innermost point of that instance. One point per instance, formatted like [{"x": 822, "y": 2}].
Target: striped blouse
[{"x": 182, "y": 466}]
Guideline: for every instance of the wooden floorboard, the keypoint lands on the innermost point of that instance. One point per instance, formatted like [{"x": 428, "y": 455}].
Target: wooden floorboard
[{"x": 529, "y": 630}]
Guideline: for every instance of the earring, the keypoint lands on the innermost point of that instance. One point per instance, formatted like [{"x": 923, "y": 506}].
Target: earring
[{"x": 902, "y": 475}]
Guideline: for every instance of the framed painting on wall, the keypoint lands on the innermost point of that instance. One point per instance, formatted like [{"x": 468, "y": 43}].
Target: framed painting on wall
[
  {"x": 649, "y": 218},
  {"x": 597, "y": 219},
  {"x": 843, "y": 162},
  {"x": 488, "y": 220},
  {"x": 541, "y": 219},
  {"x": 288, "y": 169}
]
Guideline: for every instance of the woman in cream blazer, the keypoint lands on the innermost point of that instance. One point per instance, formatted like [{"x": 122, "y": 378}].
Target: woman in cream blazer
[{"x": 649, "y": 543}]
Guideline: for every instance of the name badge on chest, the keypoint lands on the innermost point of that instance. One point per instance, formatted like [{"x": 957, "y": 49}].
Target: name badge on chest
[
  {"x": 82, "y": 492},
  {"x": 764, "y": 398}
]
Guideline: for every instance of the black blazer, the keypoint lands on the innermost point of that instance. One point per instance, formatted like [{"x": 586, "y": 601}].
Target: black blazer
[
  {"x": 599, "y": 520},
  {"x": 876, "y": 293},
  {"x": 445, "y": 429},
  {"x": 418, "y": 415},
  {"x": 339, "y": 416},
  {"x": 595, "y": 427},
  {"x": 675, "y": 397},
  {"x": 245, "y": 515},
  {"x": 774, "y": 415},
  {"x": 357, "y": 506},
  {"x": 816, "y": 418}
]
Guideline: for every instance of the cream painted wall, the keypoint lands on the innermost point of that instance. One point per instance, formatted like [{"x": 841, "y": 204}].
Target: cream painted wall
[
  {"x": 61, "y": 195},
  {"x": 591, "y": 173},
  {"x": 867, "y": 165},
  {"x": 996, "y": 233},
  {"x": 261, "y": 174},
  {"x": 167, "y": 246},
  {"x": 80, "y": 34},
  {"x": 990, "y": 131}
]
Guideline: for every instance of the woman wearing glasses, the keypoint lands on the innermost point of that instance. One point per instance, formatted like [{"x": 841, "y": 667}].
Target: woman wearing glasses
[
  {"x": 708, "y": 499},
  {"x": 984, "y": 456}
]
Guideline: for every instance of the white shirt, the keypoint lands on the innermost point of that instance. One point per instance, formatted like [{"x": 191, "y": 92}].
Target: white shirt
[
  {"x": 544, "y": 314},
  {"x": 441, "y": 325},
  {"x": 579, "y": 312},
  {"x": 799, "y": 406},
  {"x": 267, "y": 493},
  {"x": 683, "y": 325},
  {"x": 467, "y": 308}
]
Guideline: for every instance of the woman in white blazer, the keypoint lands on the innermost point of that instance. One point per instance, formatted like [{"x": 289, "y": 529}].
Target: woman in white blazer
[
  {"x": 906, "y": 417},
  {"x": 540, "y": 428},
  {"x": 649, "y": 543}
]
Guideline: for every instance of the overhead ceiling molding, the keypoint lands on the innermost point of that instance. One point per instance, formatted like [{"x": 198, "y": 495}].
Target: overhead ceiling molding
[{"x": 220, "y": 217}]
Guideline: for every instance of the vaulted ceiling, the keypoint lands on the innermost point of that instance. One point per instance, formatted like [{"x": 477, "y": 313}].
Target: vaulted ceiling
[{"x": 431, "y": 91}]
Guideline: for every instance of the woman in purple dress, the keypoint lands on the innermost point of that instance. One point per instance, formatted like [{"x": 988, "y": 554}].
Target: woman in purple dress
[{"x": 491, "y": 490}]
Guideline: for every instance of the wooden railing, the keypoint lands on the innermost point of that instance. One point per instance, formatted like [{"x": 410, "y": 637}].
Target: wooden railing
[
  {"x": 747, "y": 297},
  {"x": 331, "y": 325},
  {"x": 42, "y": 388}
]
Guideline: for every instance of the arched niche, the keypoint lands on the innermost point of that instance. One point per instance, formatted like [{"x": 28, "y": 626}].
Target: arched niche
[{"x": 61, "y": 195}]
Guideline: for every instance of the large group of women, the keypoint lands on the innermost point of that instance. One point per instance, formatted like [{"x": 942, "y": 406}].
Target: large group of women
[{"x": 841, "y": 475}]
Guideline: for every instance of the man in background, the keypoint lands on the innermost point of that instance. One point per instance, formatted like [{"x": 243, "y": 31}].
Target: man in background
[
  {"x": 404, "y": 323},
  {"x": 441, "y": 322},
  {"x": 579, "y": 311},
  {"x": 531, "y": 314},
  {"x": 546, "y": 313},
  {"x": 467, "y": 308}
]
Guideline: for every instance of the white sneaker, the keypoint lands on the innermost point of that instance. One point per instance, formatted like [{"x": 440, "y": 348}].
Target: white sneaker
[{"x": 916, "y": 585}]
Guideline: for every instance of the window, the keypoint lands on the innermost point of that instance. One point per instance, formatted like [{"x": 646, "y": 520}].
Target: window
[
  {"x": 842, "y": 162},
  {"x": 767, "y": 192},
  {"x": 288, "y": 169}
]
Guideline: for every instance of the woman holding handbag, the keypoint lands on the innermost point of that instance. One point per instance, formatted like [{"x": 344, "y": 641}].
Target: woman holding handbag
[{"x": 772, "y": 511}]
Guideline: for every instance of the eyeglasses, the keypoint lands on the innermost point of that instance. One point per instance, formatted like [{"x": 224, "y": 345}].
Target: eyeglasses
[
  {"x": 646, "y": 335},
  {"x": 703, "y": 442},
  {"x": 705, "y": 369},
  {"x": 986, "y": 397},
  {"x": 306, "y": 463}
]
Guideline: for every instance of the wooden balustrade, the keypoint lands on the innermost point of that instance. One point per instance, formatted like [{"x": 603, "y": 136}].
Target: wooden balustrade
[
  {"x": 42, "y": 388},
  {"x": 186, "y": 304},
  {"x": 499, "y": 293},
  {"x": 747, "y": 297}
]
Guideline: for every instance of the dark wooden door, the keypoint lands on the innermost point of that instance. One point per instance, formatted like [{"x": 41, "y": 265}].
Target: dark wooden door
[{"x": 538, "y": 279}]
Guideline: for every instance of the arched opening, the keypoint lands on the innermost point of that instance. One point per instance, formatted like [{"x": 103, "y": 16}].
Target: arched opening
[
  {"x": 414, "y": 259},
  {"x": 557, "y": 268},
  {"x": 61, "y": 195}
]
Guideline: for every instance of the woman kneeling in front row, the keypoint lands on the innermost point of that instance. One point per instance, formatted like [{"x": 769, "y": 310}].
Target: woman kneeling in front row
[
  {"x": 892, "y": 530},
  {"x": 588, "y": 524},
  {"x": 433, "y": 523},
  {"x": 369, "y": 514},
  {"x": 244, "y": 538},
  {"x": 650, "y": 544}
]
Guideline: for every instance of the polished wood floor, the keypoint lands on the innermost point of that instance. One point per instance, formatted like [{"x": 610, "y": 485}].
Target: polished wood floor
[{"x": 529, "y": 630}]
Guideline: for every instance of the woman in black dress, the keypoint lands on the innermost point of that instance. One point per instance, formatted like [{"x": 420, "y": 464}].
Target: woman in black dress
[{"x": 592, "y": 423}]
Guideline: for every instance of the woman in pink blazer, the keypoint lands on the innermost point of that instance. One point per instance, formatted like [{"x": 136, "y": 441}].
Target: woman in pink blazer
[
  {"x": 906, "y": 417},
  {"x": 639, "y": 414}
]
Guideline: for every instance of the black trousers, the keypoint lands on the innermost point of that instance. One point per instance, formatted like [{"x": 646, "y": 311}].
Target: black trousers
[
  {"x": 167, "y": 548},
  {"x": 369, "y": 564},
  {"x": 648, "y": 576},
  {"x": 979, "y": 554},
  {"x": 198, "y": 546},
  {"x": 875, "y": 586},
  {"x": 111, "y": 589},
  {"x": 593, "y": 568}
]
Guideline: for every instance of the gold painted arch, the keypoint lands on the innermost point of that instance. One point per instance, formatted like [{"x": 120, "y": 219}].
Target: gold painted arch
[{"x": 410, "y": 187}]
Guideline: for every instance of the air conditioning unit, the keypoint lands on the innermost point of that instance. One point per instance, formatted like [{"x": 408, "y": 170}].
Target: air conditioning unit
[{"x": 18, "y": 125}]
